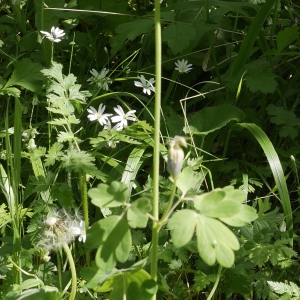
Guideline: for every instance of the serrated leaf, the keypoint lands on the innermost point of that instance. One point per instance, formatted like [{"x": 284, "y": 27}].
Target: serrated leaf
[
  {"x": 261, "y": 255},
  {"x": 181, "y": 235},
  {"x": 26, "y": 74},
  {"x": 261, "y": 81},
  {"x": 210, "y": 119},
  {"x": 54, "y": 153},
  {"x": 137, "y": 213},
  {"x": 178, "y": 36},
  {"x": 188, "y": 179},
  {"x": 115, "y": 242},
  {"x": 109, "y": 196}
]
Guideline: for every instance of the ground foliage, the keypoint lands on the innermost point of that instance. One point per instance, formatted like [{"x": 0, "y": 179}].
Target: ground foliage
[{"x": 60, "y": 168}]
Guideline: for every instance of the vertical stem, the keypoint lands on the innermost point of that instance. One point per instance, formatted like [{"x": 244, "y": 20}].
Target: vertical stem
[
  {"x": 156, "y": 154},
  {"x": 85, "y": 208},
  {"x": 212, "y": 292},
  {"x": 73, "y": 271}
]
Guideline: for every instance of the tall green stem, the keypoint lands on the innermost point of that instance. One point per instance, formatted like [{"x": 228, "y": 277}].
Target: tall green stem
[
  {"x": 73, "y": 271},
  {"x": 85, "y": 208},
  {"x": 212, "y": 292},
  {"x": 155, "y": 228}
]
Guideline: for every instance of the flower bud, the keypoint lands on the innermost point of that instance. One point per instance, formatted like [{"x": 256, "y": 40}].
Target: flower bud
[
  {"x": 176, "y": 155},
  {"x": 282, "y": 226}
]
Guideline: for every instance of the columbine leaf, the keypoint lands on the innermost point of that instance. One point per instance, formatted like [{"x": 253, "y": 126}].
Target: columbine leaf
[
  {"x": 181, "y": 235},
  {"x": 137, "y": 213},
  {"x": 114, "y": 237},
  {"x": 213, "y": 205},
  {"x": 26, "y": 74},
  {"x": 109, "y": 196},
  {"x": 245, "y": 215},
  {"x": 215, "y": 242}
]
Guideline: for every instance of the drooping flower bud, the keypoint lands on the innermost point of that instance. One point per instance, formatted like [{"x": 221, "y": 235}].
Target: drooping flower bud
[{"x": 176, "y": 155}]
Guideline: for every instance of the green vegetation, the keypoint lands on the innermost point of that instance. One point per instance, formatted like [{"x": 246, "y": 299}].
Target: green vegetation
[{"x": 149, "y": 149}]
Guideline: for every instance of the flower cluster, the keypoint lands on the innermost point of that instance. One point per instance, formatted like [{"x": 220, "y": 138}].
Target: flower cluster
[
  {"x": 100, "y": 79},
  {"x": 121, "y": 118},
  {"x": 54, "y": 35},
  {"x": 59, "y": 228}
]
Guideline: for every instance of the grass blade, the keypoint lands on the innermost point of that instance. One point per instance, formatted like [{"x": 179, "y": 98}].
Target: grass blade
[{"x": 277, "y": 171}]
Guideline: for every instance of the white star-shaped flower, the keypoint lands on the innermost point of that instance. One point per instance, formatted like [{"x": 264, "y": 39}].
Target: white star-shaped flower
[
  {"x": 54, "y": 35},
  {"x": 100, "y": 79},
  {"x": 122, "y": 118},
  {"x": 183, "y": 66},
  {"x": 98, "y": 115},
  {"x": 108, "y": 127},
  {"x": 147, "y": 85}
]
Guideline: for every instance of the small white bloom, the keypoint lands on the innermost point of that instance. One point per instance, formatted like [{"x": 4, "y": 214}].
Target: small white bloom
[
  {"x": 122, "y": 118},
  {"x": 107, "y": 127},
  {"x": 98, "y": 115},
  {"x": 100, "y": 79},
  {"x": 54, "y": 35},
  {"x": 147, "y": 85},
  {"x": 183, "y": 66},
  {"x": 79, "y": 229}
]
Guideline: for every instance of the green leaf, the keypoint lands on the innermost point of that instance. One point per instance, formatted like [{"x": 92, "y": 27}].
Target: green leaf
[
  {"x": 178, "y": 36},
  {"x": 215, "y": 242},
  {"x": 27, "y": 74},
  {"x": 181, "y": 235},
  {"x": 210, "y": 119},
  {"x": 285, "y": 37},
  {"x": 245, "y": 215},
  {"x": 115, "y": 242},
  {"x": 188, "y": 179},
  {"x": 136, "y": 284},
  {"x": 130, "y": 31},
  {"x": 213, "y": 205},
  {"x": 109, "y": 196},
  {"x": 261, "y": 81},
  {"x": 137, "y": 213},
  {"x": 54, "y": 154}
]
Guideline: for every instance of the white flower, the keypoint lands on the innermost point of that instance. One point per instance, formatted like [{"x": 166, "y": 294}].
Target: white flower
[
  {"x": 107, "y": 127},
  {"x": 100, "y": 79},
  {"x": 122, "y": 117},
  {"x": 98, "y": 115},
  {"x": 182, "y": 66},
  {"x": 79, "y": 229},
  {"x": 54, "y": 35},
  {"x": 147, "y": 85}
]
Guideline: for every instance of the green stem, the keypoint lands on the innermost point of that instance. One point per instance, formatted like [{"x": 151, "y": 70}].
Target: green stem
[
  {"x": 212, "y": 292},
  {"x": 169, "y": 205},
  {"x": 156, "y": 154},
  {"x": 73, "y": 271},
  {"x": 85, "y": 208}
]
